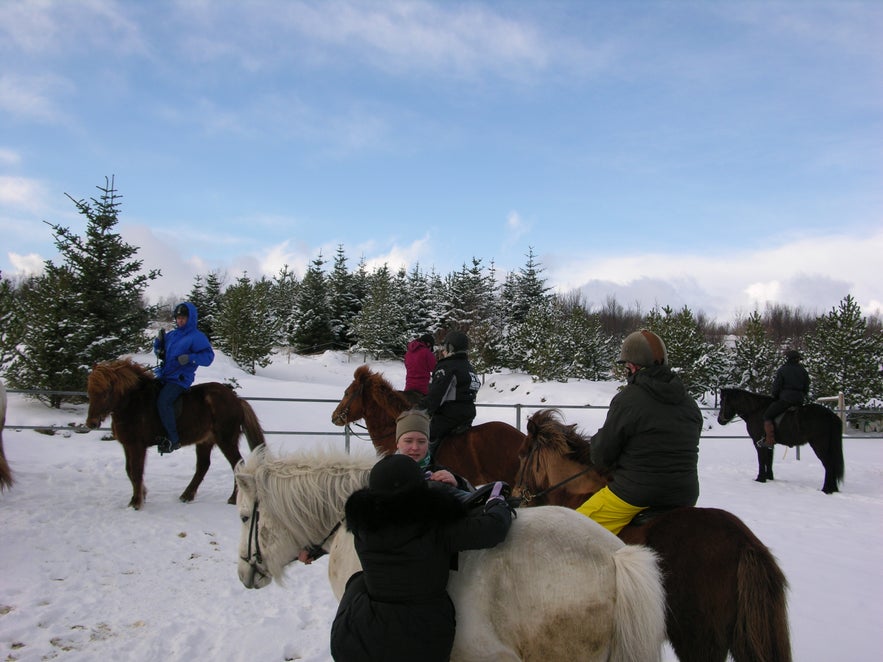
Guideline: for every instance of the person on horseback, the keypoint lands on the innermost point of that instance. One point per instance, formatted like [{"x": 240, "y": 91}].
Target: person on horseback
[
  {"x": 180, "y": 352},
  {"x": 419, "y": 363},
  {"x": 649, "y": 440},
  {"x": 406, "y": 537},
  {"x": 452, "y": 390},
  {"x": 790, "y": 388}
]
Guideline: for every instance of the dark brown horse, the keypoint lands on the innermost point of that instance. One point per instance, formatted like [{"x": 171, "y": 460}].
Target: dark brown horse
[
  {"x": 6, "y": 479},
  {"x": 485, "y": 453},
  {"x": 814, "y": 424},
  {"x": 725, "y": 592},
  {"x": 210, "y": 414}
]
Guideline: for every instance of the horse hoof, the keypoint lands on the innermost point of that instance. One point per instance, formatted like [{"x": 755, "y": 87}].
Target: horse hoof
[
  {"x": 184, "y": 498},
  {"x": 759, "y": 479}
]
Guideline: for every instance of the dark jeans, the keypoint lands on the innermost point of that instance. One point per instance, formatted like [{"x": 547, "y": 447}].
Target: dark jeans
[
  {"x": 777, "y": 407},
  {"x": 165, "y": 405}
]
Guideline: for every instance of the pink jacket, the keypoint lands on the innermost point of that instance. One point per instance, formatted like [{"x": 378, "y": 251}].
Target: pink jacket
[{"x": 419, "y": 364}]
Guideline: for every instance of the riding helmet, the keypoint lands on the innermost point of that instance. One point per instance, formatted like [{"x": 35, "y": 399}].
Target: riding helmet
[
  {"x": 643, "y": 348},
  {"x": 793, "y": 356},
  {"x": 182, "y": 311},
  {"x": 456, "y": 341}
]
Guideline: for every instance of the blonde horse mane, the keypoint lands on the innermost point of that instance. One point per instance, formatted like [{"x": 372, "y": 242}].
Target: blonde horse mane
[{"x": 304, "y": 493}]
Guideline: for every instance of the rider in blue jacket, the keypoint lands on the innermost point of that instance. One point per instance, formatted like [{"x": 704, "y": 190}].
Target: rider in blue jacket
[{"x": 181, "y": 351}]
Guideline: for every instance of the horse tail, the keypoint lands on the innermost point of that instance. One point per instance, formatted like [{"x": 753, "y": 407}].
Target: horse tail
[
  {"x": 761, "y": 629},
  {"x": 835, "y": 450},
  {"x": 6, "y": 479},
  {"x": 639, "y": 613},
  {"x": 251, "y": 426}
]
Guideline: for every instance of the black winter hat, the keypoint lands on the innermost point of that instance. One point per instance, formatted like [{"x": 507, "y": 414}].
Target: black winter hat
[
  {"x": 396, "y": 473},
  {"x": 427, "y": 340}
]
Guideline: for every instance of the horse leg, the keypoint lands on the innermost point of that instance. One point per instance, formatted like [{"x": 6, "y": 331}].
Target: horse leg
[
  {"x": 230, "y": 449},
  {"x": 135, "y": 455},
  {"x": 821, "y": 450},
  {"x": 203, "y": 462}
]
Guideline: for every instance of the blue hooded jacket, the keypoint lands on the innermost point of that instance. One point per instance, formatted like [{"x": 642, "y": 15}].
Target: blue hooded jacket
[{"x": 187, "y": 340}]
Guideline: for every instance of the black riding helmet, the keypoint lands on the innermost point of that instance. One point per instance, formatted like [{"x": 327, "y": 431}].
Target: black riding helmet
[
  {"x": 456, "y": 341},
  {"x": 182, "y": 311}
]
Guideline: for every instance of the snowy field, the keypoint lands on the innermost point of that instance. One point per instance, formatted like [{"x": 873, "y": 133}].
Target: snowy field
[{"x": 83, "y": 577}]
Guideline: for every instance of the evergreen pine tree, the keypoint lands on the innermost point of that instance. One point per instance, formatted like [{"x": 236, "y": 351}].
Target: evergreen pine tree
[
  {"x": 206, "y": 294},
  {"x": 380, "y": 326},
  {"x": 284, "y": 297},
  {"x": 11, "y": 324},
  {"x": 343, "y": 301},
  {"x": 755, "y": 357},
  {"x": 312, "y": 316},
  {"x": 98, "y": 300},
  {"x": 841, "y": 355},
  {"x": 691, "y": 356},
  {"x": 246, "y": 327}
]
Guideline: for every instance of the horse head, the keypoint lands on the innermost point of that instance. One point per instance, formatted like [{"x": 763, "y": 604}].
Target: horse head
[
  {"x": 555, "y": 464},
  {"x": 728, "y": 410},
  {"x": 289, "y": 504},
  {"x": 110, "y": 382},
  {"x": 351, "y": 406}
]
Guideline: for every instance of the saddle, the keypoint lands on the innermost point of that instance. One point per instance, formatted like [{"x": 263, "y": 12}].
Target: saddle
[{"x": 645, "y": 516}]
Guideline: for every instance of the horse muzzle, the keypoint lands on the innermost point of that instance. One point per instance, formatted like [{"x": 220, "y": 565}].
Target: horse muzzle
[{"x": 252, "y": 575}]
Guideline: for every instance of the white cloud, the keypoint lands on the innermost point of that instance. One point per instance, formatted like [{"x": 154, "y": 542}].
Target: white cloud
[
  {"x": 813, "y": 273},
  {"x": 26, "y": 265},
  {"x": 22, "y": 193}
]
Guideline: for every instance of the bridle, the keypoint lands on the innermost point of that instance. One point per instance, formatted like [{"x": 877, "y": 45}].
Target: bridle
[
  {"x": 526, "y": 495},
  {"x": 344, "y": 414},
  {"x": 255, "y": 559}
]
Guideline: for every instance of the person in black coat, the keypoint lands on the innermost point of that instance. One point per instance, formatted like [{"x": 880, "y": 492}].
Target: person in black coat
[
  {"x": 452, "y": 390},
  {"x": 397, "y": 609},
  {"x": 649, "y": 440},
  {"x": 790, "y": 388}
]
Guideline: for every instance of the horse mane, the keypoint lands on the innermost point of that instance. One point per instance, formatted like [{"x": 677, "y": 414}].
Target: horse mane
[
  {"x": 546, "y": 429},
  {"x": 383, "y": 392},
  {"x": 308, "y": 486},
  {"x": 118, "y": 376}
]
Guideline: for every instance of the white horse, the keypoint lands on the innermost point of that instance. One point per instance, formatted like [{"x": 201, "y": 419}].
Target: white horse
[
  {"x": 560, "y": 587},
  {"x": 5, "y": 474}
]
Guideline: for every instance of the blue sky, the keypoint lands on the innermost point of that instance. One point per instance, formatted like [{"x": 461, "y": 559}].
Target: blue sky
[{"x": 719, "y": 155}]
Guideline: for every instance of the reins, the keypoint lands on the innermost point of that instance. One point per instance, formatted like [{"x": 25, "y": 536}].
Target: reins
[{"x": 526, "y": 496}]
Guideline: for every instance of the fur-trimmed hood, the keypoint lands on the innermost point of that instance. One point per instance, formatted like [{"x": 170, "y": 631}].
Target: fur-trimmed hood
[{"x": 427, "y": 506}]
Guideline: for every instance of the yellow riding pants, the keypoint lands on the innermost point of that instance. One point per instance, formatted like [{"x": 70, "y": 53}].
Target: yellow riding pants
[{"x": 609, "y": 510}]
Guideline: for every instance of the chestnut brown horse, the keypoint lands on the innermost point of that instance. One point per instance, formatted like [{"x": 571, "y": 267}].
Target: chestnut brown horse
[
  {"x": 725, "y": 592},
  {"x": 814, "y": 424},
  {"x": 210, "y": 414},
  {"x": 483, "y": 454},
  {"x": 6, "y": 479}
]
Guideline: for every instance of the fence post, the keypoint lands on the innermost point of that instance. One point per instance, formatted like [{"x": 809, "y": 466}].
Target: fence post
[{"x": 518, "y": 417}]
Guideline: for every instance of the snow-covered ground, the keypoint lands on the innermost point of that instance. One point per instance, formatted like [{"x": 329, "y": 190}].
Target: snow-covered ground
[{"x": 83, "y": 577}]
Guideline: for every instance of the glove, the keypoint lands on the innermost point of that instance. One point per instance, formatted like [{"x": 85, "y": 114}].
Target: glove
[
  {"x": 184, "y": 359},
  {"x": 160, "y": 350}
]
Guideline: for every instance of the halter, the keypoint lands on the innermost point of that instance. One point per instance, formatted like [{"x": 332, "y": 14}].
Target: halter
[
  {"x": 255, "y": 559},
  {"x": 344, "y": 414},
  {"x": 526, "y": 496}
]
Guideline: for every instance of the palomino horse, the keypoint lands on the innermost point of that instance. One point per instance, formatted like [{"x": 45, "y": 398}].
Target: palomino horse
[
  {"x": 483, "y": 454},
  {"x": 725, "y": 593},
  {"x": 210, "y": 414},
  {"x": 813, "y": 423},
  {"x": 560, "y": 587},
  {"x": 6, "y": 479}
]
